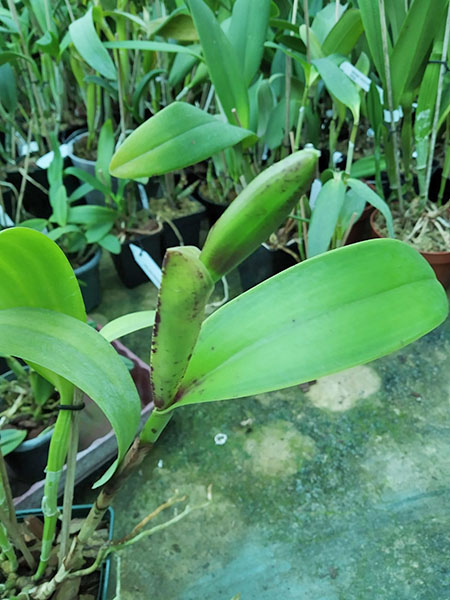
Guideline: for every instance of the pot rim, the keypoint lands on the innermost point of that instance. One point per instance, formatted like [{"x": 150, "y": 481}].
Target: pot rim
[{"x": 442, "y": 254}]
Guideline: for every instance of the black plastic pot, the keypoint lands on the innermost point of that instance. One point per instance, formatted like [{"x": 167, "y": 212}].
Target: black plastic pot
[
  {"x": 262, "y": 264},
  {"x": 35, "y": 201},
  {"x": 188, "y": 227},
  {"x": 88, "y": 276},
  {"x": 129, "y": 271},
  {"x": 214, "y": 210},
  {"x": 81, "y": 511}
]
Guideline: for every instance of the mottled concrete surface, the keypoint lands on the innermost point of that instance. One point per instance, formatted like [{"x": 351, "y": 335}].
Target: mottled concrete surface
[{"x": 339, "y": 492}]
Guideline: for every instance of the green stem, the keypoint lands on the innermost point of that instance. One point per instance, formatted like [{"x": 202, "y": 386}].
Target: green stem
[
  {"x": 301, "y": 116},
  {"x": 407, "y": 137},
  {"x": 70, "y": 477},
  {"x": 56, "y": 456},
  {"x": 351, "y": 149},
  {"x": 7, "y": 548},
  {"x": 393, "y": 129}
]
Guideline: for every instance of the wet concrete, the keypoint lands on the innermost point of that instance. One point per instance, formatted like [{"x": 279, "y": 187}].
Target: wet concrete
[{"x": 336, "y": 492}]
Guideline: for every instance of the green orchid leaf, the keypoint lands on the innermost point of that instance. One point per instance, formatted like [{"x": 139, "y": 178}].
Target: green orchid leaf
[
  {"x": 247, "y": 33},
  {"x": 334, "y": 311},
  {"x": 77, "y": 353},
  {"x": 419, "y": 29},
  {"x": 177, "y": 136},
  {"x": 343, "y": 36},
  {"x": 8, "y": 88},
  {"x": 30, "y": 264},
  {"x": 366, "y": 167},
  {"x": 92, "y": 215},
  {"x": 370, "y": 16},
  {"x": 86, "y": 41},
  {"x": 374, "y": 199},
  {"x": 10, "y": 439},
  {"x": 339, "y": 85},
  {"x": 110, "y": 243},
  {"x": 152, "y": 47},
  {"x": 223, "y": 64},
  {"x": 325, "y": 20},
  {"x": 126, "y": 324},
  {"x": 325, "y": 216}
]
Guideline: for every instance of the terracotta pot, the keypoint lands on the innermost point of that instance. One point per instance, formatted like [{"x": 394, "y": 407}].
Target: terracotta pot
[{"x": 439, "y": 261}]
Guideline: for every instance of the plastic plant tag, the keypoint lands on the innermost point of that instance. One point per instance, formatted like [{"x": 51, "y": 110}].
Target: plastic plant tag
[
  {"x": 147, "y": 264},
  {"x": 315, "y": 189},
  {"x": 364, "y": 82},
  {"x": 5, "y": 219},
  {"x": 356, "y": 76},
  {"x": 46, "y": 159}
]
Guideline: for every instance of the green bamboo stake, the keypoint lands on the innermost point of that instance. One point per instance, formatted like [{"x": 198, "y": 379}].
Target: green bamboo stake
[
  {"x": 438, "y": 101},
  {"x": 393, "y": 129}
]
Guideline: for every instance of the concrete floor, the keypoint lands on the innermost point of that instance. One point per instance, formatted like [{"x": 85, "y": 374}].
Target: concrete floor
[{"x": 336, "y": 492}]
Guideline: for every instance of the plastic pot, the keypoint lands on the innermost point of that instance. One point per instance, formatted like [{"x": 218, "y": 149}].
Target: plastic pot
[
  {"x": 439, "y": 261},
  {"x": 88, "y": 276},
  {"x": 262, "y": 264},
  {"x": 188, "y": 227},
  {"x": 35, "y": 201},
  {"x": 79, "y": 512},
  {"x": 94, "y": 197},
  {"x": 129, "y": 271}
]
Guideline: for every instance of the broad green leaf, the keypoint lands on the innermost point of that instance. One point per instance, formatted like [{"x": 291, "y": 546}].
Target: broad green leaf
[
  {"x": 344, "y": 35},
  {"x": 223, "y": 64},
  {"x": 152, "y": 47},
  {"x": 75, "y": 351},
  {"x": 418, "y": 31},
  {"x": 177, "y": 136},
  {"x": 374, "y": 199},
  {"x": 339, "y": 85},
  {"x": 110, "y": 243},
  {"x": 6, "y": 57},
  {"x": 10, "y": 439},
  {"x": 30, "y": 266},
  {"x": 325, "y": 216},
  {"x": 98, "y": 231},
  {"x": 181, "y": 66},
  {"x": 126, "y": 324},
  {"x": 314, "y": 44},
  {"x": 58, "y": 201},
  {"x": 337, "y": 310},
  {"x": 141, "y": 85},
  {"x": 370, "y": 16},
  {"x": 8, "y": 88},
  {"x": 176, "y": 27},
  {"x": 109, "y": 86},
  {"x": 325, "y": 20},
  {"x": 352, "y": 209},
  {"x": 105, "y": 152},
  {"x": 91, "y": 215},
  {"x": 365, "y": 167},
  {"x": 375, "y": 110},
  {"x": 247, "y": 34},
  {"x": 121, "y": 13},
  {"x": 86, "y": 41},
  {"x": 88, "y": 178}
]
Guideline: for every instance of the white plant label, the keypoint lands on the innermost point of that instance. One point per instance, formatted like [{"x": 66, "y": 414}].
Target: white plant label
[
  {"x": 315, "y": 189},
  {"x": 147, "y": 264},
  {"x": 356, "y": 76},
  {"x": 364, "y": 82},
  {"x": 46, "y": 159},
  {"x": 5, "y": 219}
]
